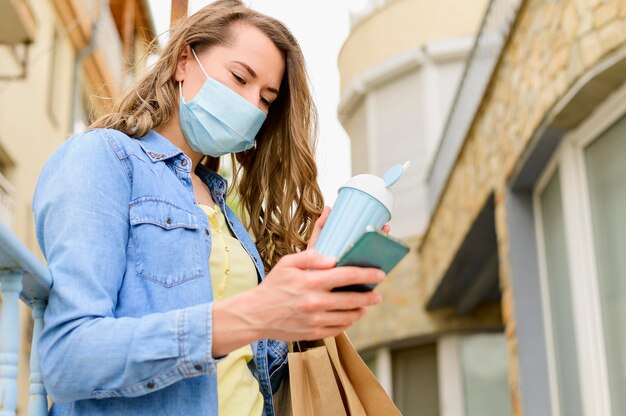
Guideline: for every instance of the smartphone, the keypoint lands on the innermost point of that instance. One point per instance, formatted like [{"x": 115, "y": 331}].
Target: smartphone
[{"x": 373, "y": 249}]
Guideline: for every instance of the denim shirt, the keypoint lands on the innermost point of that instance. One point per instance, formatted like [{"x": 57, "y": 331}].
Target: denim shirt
[{"x": 128, "y": 326}]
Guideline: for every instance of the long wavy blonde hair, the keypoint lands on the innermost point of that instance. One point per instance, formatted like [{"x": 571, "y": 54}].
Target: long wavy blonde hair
[{"x": 276, "y": 182}]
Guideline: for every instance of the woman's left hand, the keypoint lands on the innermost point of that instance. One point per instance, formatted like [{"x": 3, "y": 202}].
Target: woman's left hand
[
  {"x": 317, "y": 228},
  {"x": 319, "y": 224}
]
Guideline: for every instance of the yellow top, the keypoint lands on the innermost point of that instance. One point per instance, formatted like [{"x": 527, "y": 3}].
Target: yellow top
[{"x": 232, "y": 272}]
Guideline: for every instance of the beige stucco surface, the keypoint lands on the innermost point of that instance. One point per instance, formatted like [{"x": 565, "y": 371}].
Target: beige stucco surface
[
  {"x": 34, "y": 121},
  {"x": 403, "y": 24}
]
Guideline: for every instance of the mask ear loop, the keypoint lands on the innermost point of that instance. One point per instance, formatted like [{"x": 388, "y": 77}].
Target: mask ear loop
[
  {"x": 197, "y": 60},
  {"x": 180, "y": 84}
]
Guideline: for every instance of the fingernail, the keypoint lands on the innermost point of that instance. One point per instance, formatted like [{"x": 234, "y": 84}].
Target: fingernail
[
  {"x": 380, "y": 274},
  {"x": 378, "y": 298},
  {"x": 330, "y": 259}
]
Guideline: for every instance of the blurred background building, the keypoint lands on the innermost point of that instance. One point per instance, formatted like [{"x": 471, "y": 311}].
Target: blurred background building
[
  {"x": 61, "y": 63},
  {"x": 513, "y": 114},
  {"x": 400, "y": 70}
]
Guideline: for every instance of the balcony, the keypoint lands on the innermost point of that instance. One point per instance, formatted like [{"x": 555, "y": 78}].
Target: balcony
[{"x": 23, "y": 277}]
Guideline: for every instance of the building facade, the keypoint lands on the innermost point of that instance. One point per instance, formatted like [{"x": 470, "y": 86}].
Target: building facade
[
  {"x": 61, "y": 63},
  {"x": 523, "y": 194},
  {"x": 400, "y": 69}
]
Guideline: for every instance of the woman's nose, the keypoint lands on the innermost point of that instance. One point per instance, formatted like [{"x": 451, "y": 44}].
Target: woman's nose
[{"x": 253, "y": 95}]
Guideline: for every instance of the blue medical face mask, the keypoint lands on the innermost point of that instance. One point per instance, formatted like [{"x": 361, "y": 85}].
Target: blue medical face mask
[{"x": 219, "y": 121}]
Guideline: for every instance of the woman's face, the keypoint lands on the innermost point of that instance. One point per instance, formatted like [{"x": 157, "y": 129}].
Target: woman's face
[{"x": 252, "y": 66}]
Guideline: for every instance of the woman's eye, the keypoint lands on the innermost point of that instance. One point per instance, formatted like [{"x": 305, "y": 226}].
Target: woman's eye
[
  {"x": 239, "y": 79},
  {"x": 265, "y": 102}
]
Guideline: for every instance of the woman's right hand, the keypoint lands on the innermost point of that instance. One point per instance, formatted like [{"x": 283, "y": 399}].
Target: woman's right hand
[{"x": 294, "y": 302}]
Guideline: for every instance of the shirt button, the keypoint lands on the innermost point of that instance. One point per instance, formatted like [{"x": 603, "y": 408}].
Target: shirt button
[
  {"x": 206, "y": 231},
  {"x": 168, "y": 220},
  {"x": 227, "y": 272},
  {"x": 227, "y": 249},
  {"x": 198, "y": 367},
  {"x": 150, "y": 385},
  {"x": 184, "y": 162}
]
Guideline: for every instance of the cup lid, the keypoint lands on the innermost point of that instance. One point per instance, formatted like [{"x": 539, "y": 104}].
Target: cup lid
[
  {"x": 395, "y": 173},
  {"x": 374, "y": 186}
]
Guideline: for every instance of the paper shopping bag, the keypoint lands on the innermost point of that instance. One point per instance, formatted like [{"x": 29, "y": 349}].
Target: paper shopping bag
[
  {"x": 314, "y": 387},
  {"x": 363, "y": 394},
  {"x": 329, "y": 378}
]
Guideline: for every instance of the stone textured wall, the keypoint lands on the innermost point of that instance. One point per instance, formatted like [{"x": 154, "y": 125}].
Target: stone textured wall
[
  {"x": 551, "y": 46},
  {"x": 402, "y": 315}
]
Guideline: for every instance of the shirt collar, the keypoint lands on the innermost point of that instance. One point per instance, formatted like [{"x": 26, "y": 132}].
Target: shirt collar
[
  {"x": 214, "y": 181},
  {"x": 157, "y": 147}
]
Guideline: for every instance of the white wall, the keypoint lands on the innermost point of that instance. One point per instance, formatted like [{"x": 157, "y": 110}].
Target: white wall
[
  {"x": 400, "y": 118},
  {"x": 398, "y": 127}
]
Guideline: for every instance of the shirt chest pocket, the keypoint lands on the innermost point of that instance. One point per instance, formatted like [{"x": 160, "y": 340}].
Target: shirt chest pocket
[{"x": 168, "y": 247}]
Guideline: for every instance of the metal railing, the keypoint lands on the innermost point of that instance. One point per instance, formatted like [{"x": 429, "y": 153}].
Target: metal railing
[
  {"x": 490, "y": 40},
  {"x": 23, "y": 277}
]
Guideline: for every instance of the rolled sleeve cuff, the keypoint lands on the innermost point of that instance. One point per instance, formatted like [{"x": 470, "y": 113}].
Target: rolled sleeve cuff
[{"x": 195, "y": 336}]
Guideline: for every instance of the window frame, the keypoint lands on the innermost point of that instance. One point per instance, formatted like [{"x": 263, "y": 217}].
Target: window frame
[{"x": 569, "y": 163}]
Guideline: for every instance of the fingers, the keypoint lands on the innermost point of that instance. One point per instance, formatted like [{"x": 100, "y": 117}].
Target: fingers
[
  {"x": 317, "y": 227},
  {"x": 323, "y": 217},
  {"x": 339, "y": 302},
  {"x": 334, "y": 322},
  {"x": 347, "y": 275},
  {"x": 307, "y": 259},
  {"x": 386, "y": 229},
  {"x": 328, "y": 332},
  {"x": 296, "y": 300}
]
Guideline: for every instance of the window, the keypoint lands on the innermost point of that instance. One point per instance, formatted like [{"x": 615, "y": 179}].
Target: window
[
  {"x": 556, "y": 287},
  {"x": 484, "y": 363},
  {"x": 81, "y": 110},
  {"x": 370, "y": 360},
  {"x": 606, "y": 175},
  {"x": 581, "y": 232},
  {"x": 7, "y": 190},
  {"x": 53, "y": 85},
  {"x": 415, "y": 388}
]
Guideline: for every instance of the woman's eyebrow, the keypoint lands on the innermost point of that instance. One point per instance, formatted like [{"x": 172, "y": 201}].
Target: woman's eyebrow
[
  {"x": 247, "y": 67},
  {"x": 253, "y": 74}
]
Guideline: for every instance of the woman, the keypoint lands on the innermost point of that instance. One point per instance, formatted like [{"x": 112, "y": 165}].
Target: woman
[{"x": 160, "y": 303}]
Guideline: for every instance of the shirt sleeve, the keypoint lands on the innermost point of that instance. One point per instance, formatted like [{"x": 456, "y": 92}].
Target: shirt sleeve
[{"x": 81, "y": 214}]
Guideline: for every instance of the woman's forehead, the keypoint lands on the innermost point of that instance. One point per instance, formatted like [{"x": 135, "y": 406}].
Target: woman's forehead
[{"x": 254, "y": 48}]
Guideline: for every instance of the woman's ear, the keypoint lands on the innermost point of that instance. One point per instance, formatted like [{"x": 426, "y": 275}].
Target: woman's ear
[{"x": 181, "y": 66}]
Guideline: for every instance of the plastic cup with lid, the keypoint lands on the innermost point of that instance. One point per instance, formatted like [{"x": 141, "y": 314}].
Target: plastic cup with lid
[{"x": 364, "y": 200}]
